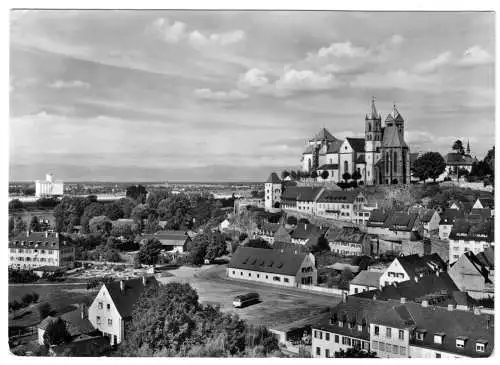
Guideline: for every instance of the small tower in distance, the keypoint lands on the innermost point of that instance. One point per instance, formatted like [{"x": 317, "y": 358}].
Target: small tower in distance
[
  {"x": 373, "y": 142},
  {"x": 467, "y": 151},
  {"x": 272, "y": 192}
]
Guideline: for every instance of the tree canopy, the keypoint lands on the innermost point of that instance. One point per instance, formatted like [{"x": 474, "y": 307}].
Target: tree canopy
[
  {"x": 150, "y": 251},
  {"x": 429, "y": 165},
  {"x": 56, "y": 333},
  {"x": 458, "y": 147}
]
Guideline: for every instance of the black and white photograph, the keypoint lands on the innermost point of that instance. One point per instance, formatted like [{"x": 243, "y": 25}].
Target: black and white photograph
[{"x": 251, "y": 183}]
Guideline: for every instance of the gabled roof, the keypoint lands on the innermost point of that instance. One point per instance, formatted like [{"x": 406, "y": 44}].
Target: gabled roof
[
  {"x": 478, "y": 265},
  {"x": 75, "y": 324},
  {"x": 357, "y": 144},
  {"x": 368, "y": 278},
  {"x": 486, "y": 202},
  {"x": 329, "y": 167},
  {"x": 400, "y": 221},
  {"x": 323, "y": 134},
  {"x": 465, "y": 230},
  {"x": 427, "y": 216},
  {"x": 454, "y": 158},
  {"x": 282, "y": 235},
  {"x": 304, "y": 231},
  {"x": 264, "y": 260},
  {"x": 336, "y": 196},
  {"x": 41, "y": 240},
  {"x": 170, "y": 237},
  {"x": 347, "y": 234},
  {"x": 450, "y": 215},
  {"x": 415, "y": 265},
  {"x": 308, "y": 193},
  {"x": 377, "y": 218},
  {"x": 392, "y": 137},
  {"x": 125, "y": 300},
  {"x": 361, "y": 159},
  {"x": 334, "y": 146},
  {"x": 487, "y": 257},
  {"x": 273, "y": 179}
]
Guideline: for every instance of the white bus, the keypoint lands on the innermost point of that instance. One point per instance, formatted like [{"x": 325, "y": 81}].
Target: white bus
[{"x": 243, "y": 300}]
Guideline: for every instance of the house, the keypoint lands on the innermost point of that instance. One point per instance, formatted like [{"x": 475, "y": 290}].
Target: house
[
  {"x": 283, "y": 235},
  {"x": 430, "y": 222},
  {"x": 86, "y": 346},
  {"x": 341, "y": 205},
  {"x": 300, "y": 198},
  {"x": 438, "y": 290},
  {"x": 267, "y": 231},
  {"x": 401, "y": 329},
  {"x": 393, "y": 225},
  {"x": 474, "y": 274},
  {"x": 76, "y": 321},
  {"x": 172, "y": 241},
  {"x": 273, "y": 267},
  {"x": 410, "y": 267},
  {"x": 463, "y": 206},
  {"x": 304, "y": 231},
  {"x": 448, "y": 217},
  {"x": 224, "y": 225},
  {"x": 457, "y": 161},
  {"x": 30, "y": 250},
  {"x": 365, "y": 281},
  {"x": 484, "y": 202},
  {"x": 466, "y": 236},
  {"x": 113, "y": 305},
  {"x": 350, "y": 241}
]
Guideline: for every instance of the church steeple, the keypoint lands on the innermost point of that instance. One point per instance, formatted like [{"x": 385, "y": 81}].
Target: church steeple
[
  {"x": 468, "y": 148},
  {"x": 373, "y": 115}
]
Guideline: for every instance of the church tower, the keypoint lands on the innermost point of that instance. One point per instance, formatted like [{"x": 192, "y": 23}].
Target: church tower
[{"x": 373, "y": 142}]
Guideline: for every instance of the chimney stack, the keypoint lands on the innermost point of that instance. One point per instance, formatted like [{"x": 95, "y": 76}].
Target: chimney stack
[
  {"x": 403, "y": 300},
  {"x": 122, "y": 286},
  {"x": 425, "y": 303},
  {"x": 451, "y": 307},
  {"x": 144, "y": 280}
]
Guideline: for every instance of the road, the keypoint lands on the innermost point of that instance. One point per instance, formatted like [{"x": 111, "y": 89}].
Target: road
[{"x": 279, "y": 305}]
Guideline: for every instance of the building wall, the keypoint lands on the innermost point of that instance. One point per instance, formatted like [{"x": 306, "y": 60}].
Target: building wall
[
  {"x": 425, "y": 353},
  {"x": 328, "y": 343},
  {"x": 432, "y": 225},
  {"x": 272, "y": 194},
  {"x": 47, "y": 188},
  {"x": 468, "y": 279},
  {"x": 360, "y": 288},
  {"x": 30, "y": 257},
  {"x": 393, "y": 345},
  {"x": 116, "y": 327},
  {"x": 394, "y": 273},
  {"x": 309, "y": 262},
  {"x": 263, "y": 277},
  {"x": 459, "y": 247},
  {"x": 444, "y": 231}
]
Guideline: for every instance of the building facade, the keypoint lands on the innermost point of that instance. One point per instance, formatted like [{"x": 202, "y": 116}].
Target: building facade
[
  {"x": 49, "y": 187},
  {"x": 272, "y": 191},
  {"x": 382, "y": 157}
]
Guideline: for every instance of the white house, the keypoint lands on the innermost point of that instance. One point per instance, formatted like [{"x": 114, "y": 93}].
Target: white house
[
  {"x": 273, "y": 267},
  {"x": 430, "y": 222},
  {"x": 365, "y": 281},
  {"x": 466, "y": 236},
  {"x": 113, "y": 306},
  {"x": 411, "y": 267},
  {"x": 272, "y": 192}
]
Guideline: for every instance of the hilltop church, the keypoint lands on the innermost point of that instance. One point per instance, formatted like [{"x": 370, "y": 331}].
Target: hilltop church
[{"x": 382, "y": 157}]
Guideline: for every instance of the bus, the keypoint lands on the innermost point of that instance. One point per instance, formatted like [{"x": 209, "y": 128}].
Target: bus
[{"x": 243, "y": 300}]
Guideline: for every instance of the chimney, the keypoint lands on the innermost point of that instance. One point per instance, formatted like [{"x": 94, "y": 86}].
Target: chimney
[
  {"x": 451, "y": 307},
  {"x": 122, "y": 286},
  {"x": 27, "y": 233},
  {"x": 403, "y": 300},
  {"x": 425, "y": 303},
  {"x": 57, "y": 234},
  {"x": 46, "y": 234},
  {"x": 144, "y": 280}
]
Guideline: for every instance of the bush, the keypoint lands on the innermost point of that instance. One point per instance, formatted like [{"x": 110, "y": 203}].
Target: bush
[
  {"x": 27, "y": 299},
  {"x": 44, "y": 310}
]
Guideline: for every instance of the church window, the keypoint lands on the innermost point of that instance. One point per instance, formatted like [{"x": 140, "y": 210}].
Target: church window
[
  {"x": 387, "y": 162},
  {"x": 346, "y": 166},
  {"x": 369, "y": 127},
  {"x": 395, "y": 162}
]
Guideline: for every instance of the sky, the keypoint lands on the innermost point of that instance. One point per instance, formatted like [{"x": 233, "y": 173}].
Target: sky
[{"x": 233, "y": 95}]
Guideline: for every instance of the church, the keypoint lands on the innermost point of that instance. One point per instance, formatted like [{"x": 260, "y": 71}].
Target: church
[{"x": 382, "y": 157}]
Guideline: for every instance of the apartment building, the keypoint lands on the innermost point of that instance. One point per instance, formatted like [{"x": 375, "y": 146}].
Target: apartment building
[
  {"x": 468, "y": 236},
  {"x": 32, "y": 250}
]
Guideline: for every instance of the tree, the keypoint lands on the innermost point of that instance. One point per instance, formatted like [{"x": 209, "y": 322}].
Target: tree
[
  {"x": 356, "y": 175},
  {"x": 126, "y": 205},
  {"x": 11, "y": 225},
  {"x": 15, "y": 205},
  {"x": 44, "y": 310},
  {"x": 489, "y": 160},
  {"x": 259, "y": 243},
  {"x": 354, "y": 352},
  {"x": 458, "y": 147},
  {"x": 345, "y": 278},
  {"x": 150, "y": 251},
  {"x": 293, "y": 175},
  {"x": 20, "y": 226},
  {"x": 314, "y": 174},
  {"x": 113, "y": 211},
  {"x": 34, "y": 224},
  {"x": 284, "y": 174},
  {"x": 346, "y": 176},
  {"x": 137, "y": 193},
  {"x": 217, "y": 246},
  {"x": 56, "y": 333},
  {"x": 429, "y": 165},
  {"x": 100, "y": 224},
  {"x": 325, "y": 174}
]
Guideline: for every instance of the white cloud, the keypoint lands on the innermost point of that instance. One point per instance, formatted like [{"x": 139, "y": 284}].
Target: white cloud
[
  {"x": 396, "y": 39},
  {"x": 208, "y": 94},
  {"x": 74, "y": 84},
  {"x": 344, "y": 49},
  {"x": 254, "y": 78},
  {"x": 168, "y": 31},
  {"x": 399, "y": 79},
  {"x": 196, "y": 38},
  {"x": 475, "y": 56},
  {"x": 293, "y": 79},
  {"x": 434, "y": 64}
]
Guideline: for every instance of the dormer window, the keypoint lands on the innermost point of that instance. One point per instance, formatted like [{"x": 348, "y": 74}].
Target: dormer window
[
  {"x": 460, "y": 342},
  {"x": 360, "y": 328},
  {"x": 420, "y": 334},
  {"x": 481, "y": 346},
  {"x": 438, "y": 338},
  {"x": 341, "y": 324}
]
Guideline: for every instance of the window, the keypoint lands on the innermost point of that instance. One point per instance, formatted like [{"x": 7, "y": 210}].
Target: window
[
  {"x": 460, "y": 343},
  {"x": 360, "y": 328},
  {"x": 286, "y": 280},
  {"x": 402, "y": 350},
  {"x": 315, "y": 334},
  {"x": 420, "y": 336},
  {"x": 318, "y": 351},
  {"x": 320, "y": 335},
  {"x": 327, "y": 336},
  {"x": 438, "y": 339},
  {"x": 438, "y": 355},
  {"x": 233, "y": 272},
  {"x": 336, "y": 338},
  {"x": 276, "y": 278},
  {"x": 401, "y": 335},
  {"x": 110, "y": 322},
  {"x": 241, "y": 273},
  {"x": 341, "y": 324},
  {"x": 377, "y": 331},
  {"x": 99, "y": 305},
  {"x": 346, "y": 166},
  {"x": 381, "y": 346},
  {"x": 258, "y": 276},
  {"x": 480, "y": 347},
  {"x": 395, "y": 162},
  {"x": 327, "y": 353},
  {"x": 108, "y": 306},
  {"x": 375, "y": 345},
  {"x": 249, "y": 274},
  {"x": 98, "y": 320}
]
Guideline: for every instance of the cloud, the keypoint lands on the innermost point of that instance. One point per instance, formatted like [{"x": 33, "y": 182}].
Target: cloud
[
  {"x": 399, "y": 79},
  {"x": 254, "y": 78},
  {"x": 198, "y": 39},
  {"x": 74, "y": 84},
  {"x": 396, "y": 39},
  {"x": 168, "y": 31},
  {"x": 175, "y": 32},
  {"x": 434, "y": 64},
  {"x": 474, "y": 56},
  {"x": 344, "y": 49},
  {"x": 208, "y": 94},
  {"x": 293, "y": 79}
]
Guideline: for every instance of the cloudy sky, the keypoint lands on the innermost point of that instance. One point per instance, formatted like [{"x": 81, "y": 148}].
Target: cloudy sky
[{"x": 152, "y": 95}]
